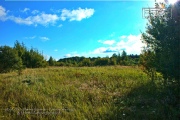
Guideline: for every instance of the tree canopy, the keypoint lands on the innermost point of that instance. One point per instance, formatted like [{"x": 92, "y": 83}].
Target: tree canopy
[
  {"x": 19, "y": 57},
  {"x": 162, "y": 39}
]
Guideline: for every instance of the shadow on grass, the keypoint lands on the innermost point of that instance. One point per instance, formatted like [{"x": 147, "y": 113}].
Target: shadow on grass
[{"x": 148, "y": 102}]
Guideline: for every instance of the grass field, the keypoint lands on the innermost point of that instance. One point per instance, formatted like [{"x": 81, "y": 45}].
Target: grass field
[{"x": 84, "y": 93}]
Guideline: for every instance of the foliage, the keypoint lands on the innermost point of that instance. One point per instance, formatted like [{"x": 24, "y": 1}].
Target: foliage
[
  {"x": 162, "y": 50},
  {"x": 101, "y": 62},
  {"x": 9, "y": 60},
  {"x": 51, "y": 61},
  {"x": 124, "y": 59},
  {"x": 33, "y": 59},
  {"x": 86, "y": 62},
  {"x": 19, "y": 57}
]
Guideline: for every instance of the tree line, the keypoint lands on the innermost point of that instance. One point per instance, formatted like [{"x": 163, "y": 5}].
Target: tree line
[
  {"x": 19, "y": 57},
  {"x": 115, "y": 59}
]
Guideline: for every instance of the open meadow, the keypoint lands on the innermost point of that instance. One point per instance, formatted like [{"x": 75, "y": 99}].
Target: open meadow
[{"x": 84, "y": 93}]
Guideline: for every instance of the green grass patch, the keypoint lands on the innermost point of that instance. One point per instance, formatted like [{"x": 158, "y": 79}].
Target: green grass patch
[{"x": 93, "y": 93}]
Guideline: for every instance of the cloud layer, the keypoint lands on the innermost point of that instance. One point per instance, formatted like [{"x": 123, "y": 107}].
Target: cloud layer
[
  {"x": 2, "y": 13},
  {"x": 76, "y": 15},
  {"x": 107, "y": 42},
  {"x": 132, "y": 44},
  {"x": 40, "y": 18}
]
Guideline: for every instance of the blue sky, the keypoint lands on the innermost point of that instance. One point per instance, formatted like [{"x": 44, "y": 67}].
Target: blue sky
[{"x": 65, "y": 29}]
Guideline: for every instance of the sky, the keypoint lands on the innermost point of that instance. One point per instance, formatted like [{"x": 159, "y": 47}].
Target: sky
[{"x": 64, "y": 29}]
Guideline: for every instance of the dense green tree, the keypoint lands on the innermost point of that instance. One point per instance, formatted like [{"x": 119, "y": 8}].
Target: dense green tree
[
  {"x": 86, "y": 62},
  {"x": 101, "y": 62},
  {"x": 124, "y": 58},
  {"x": 113, "y": 61},
  {"x": 9, "y": 59},
  {"x": 118, "y": 58},
  {"x": 114, "y": 55},
  {"x": 162, "y": 39},
  {"x": 33, "y": 59},
  {"x": 51, "y": 61},
  {"x": 123, "y": 55},
  {"x": 20, "y": 48}
]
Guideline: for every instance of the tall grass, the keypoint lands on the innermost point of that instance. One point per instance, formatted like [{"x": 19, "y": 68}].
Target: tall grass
[{"x": 72, "y": 93}]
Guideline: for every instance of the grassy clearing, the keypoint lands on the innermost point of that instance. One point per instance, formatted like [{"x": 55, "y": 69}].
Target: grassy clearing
[{"x": 91, "y": 93}]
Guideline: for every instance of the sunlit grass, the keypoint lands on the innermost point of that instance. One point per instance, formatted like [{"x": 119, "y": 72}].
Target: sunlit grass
[{"x": 79, "y": 93}]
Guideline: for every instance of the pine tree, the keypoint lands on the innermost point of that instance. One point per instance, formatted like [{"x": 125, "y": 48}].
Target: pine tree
[
  {"x": 51, "y": 61},
  {"x": 9, "y": 60},
  {"x": 162, "y": 39}
]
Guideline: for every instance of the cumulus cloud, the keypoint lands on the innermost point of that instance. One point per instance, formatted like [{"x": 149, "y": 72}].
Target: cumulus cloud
[
  {"x": 67, "y": 55},
  {"x": 25, "y": 10},
  {"x": 55, "y": 11},
  {"x": 76, "y": 15},
  {"x": 122, "y": 37},
  {"x": 109, "y": 42},
  {"x": 131, "y": 44},
  {"x": 72, "y": 54},
  {"x": 99, "y": 50},
  {"x": 104, "y": 50},
  {"x": 35, "y": 12},
  {"x": 41, "y": 18},
  {"x": 44, "y": 38},
  {"x": 3, "y": 13}
]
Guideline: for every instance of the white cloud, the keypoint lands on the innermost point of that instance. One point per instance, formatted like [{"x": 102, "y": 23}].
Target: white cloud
[
  {"x": 99, "y": 50},
  {"x": 19, "y": 20},
  {"x": 67, "y": 55},
  {"x": 132, "y": 44},
  {"x": 3, "y": 13},
  {"x": 43, "y": 19},
  {"x": 55, "y": 11},
  {"x": 72, "y": 54},
  {"x": 44, "y": 38},
  {"x": 103, "y": 50},
  {"x": 37, "y": 18},
  {"x": 33, "y": 37},
  {"x": 122, "y": 37},
  {"x": 55, "y": 50},
  {"x": 35, "y": 11},
  {"x": 60, "y": 25},
  {"x": 107, "y": 42},
  {"x": 25, "y": 10},
  {"x": 76, "y": 15}
]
